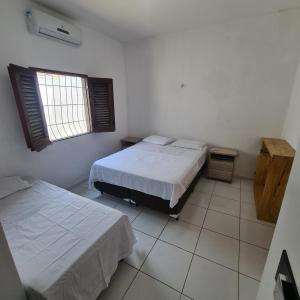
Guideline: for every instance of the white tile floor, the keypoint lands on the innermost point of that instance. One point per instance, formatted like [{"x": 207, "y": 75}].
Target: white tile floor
[{"x": 216, "y": 251}]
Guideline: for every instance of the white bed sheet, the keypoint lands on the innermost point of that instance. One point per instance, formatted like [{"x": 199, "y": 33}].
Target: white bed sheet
[
  {"x": 64, "y": 246},
  {"x": 163, "y": 171}
]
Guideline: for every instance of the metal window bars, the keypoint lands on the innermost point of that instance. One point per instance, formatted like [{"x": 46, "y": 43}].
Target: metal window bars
[{"x": 65, "y": 103}]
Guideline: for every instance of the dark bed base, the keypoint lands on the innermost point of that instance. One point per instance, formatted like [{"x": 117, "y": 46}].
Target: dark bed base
[{"x": 150, "y": 201}]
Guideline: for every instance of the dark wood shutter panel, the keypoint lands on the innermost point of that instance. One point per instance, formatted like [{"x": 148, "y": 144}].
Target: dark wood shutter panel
[
  {"x": 102, "y": 104},
  {"x": 29, "y": 103}
]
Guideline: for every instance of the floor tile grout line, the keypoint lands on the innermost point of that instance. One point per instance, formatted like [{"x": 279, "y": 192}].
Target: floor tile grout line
[
  {"x": 191, "y": 252},
  {"x": 251, "y": 244},
  {"x": 155, "y": 237},
  {"x": 140, "y": 269},
  {"x": 246, "y": 219},
  {"x": 217, "y": 263},
  {"x": 221, "y": 212},
  {"x": 202, "y": 227},
  {"x": 238, "y": 239},
  {"x": 227, "y": 198},
  {"x": 177, "y": 245},
  {"x": 216, "y": 195},
  {"x": 200, "y": 256},
  {"x": 181, "y": 293},
  {"x": 193, "y": 204},
  {"x": 203, "y": 207},
  {"x": 193, "y": 255},
  {"x": 130, "y": 284},
  {"x": 220, "y": 182},
  {"x": 239, "y": 217},
  {"x": 227, "y": 214},
  {"x": 200, "y": 231},
  {"x": 154, "y": 278},
  {"x": 137, "y": 216},
  {"x": 204, "y": 218},
  {"x": 168, "y": 222},
  {"x": 214, "y": 186},
  {"x": 241, "y": 241},
  {"x": 238, "y": 295},
  {"x": 260, "y": 247},
  {"x": 225, "y": 235},
  {"x": 248, "y": 276},
  {"x": 171, "y": 287},
  {"x": 258, "y": 222},
  {"x": 186, "y": 222}
]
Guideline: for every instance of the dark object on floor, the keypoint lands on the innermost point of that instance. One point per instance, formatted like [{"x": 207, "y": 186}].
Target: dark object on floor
[{"x": 286, "y": 286}]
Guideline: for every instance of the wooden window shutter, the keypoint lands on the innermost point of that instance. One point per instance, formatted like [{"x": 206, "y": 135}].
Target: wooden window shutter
[
  {"x": 30, "y": 107},
  {"x": 102, "y": 104}
]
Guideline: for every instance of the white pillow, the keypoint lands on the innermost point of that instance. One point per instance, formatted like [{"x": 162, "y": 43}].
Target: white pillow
[
  {"x": 158, "y": 140},
  {"x": 189, "y": 144},
  {"x": 10, "y": 185}
]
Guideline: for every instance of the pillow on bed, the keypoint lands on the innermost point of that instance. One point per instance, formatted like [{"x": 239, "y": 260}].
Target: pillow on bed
[
  {"x": 158, "y": 140},
  {"x": 189, "y": 144},
  {"x": 10, "y": 185}
]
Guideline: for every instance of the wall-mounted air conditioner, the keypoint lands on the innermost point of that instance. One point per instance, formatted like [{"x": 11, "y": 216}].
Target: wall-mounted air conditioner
[{"x": 45, "y": 25}]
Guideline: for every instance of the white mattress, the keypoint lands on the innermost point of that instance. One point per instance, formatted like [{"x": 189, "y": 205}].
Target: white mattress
[
  {"x": 163, "y": 171},
  {"x": 64, "y": 246}
]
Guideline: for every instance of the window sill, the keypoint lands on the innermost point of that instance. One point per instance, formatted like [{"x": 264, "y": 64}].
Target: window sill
[{"x": 71, "y": 137}]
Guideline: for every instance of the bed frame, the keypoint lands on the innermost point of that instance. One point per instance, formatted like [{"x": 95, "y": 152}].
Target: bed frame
[{"x": 154, "y": 202}]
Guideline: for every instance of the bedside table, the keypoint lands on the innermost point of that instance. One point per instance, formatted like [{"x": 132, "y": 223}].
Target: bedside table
[
  {"x": 221, "y": 163},
  {"x": 130, "y": 141}
]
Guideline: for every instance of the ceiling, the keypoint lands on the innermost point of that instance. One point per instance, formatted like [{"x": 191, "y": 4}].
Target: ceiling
[{"x": 127, "y": 20}]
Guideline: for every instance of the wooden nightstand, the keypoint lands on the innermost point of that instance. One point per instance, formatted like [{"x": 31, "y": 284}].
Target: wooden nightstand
[
  {"x": 221, "y": 163},
  {"x": 130, "y": 141}
]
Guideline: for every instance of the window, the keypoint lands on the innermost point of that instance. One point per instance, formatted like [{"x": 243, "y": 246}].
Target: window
[
  {"x": 55, "y": 105},
  {"x": 65, "y": 103}
]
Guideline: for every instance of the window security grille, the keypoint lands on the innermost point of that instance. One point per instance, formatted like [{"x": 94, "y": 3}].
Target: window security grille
[{"x": 65, "y": 103}]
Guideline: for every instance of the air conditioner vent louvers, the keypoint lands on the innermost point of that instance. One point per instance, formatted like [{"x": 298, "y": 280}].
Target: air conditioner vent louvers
[
  {"x": 44, "y": 25},
  {"x": 63, "y": 30}
]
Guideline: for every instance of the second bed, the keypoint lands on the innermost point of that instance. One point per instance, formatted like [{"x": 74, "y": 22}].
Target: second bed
[{"x": 157, "y": 176}]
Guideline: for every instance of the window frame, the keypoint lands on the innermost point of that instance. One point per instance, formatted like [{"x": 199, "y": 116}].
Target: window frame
[
  {"x": 85, "y": 77},
  {"x": 100, "y": 102},
  {"x": 57, "y": 72}
]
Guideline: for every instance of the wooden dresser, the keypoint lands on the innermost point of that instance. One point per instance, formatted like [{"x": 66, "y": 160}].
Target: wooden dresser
[{"x": 273, "y": 168}]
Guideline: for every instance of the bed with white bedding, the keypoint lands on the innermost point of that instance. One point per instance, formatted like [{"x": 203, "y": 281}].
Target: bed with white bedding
[
  {"x": 161, "y": 171},
  {"x": 64, "y": 246}
]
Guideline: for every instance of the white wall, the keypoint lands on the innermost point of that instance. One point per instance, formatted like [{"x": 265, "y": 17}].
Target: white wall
[
  {"x": 286, "y": 235},
  {"x": 66, "y": 162},
  {"x": 291, "y": 128},
  {"x": 238, "y": 78}
]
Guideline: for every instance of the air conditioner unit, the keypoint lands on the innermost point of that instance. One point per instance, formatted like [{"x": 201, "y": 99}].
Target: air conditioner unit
[{"x": 44, "y": 25}]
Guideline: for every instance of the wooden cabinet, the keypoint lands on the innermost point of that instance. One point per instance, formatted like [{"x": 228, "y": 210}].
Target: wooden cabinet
[
  {"x": 273, "y": 168},
  {"x": 221, "y": 163}
]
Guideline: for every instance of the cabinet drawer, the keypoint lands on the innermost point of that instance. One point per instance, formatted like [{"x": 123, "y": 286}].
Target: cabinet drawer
[
  {"x": 218, "y": 174},
  {"x": 221, "y": 165}
]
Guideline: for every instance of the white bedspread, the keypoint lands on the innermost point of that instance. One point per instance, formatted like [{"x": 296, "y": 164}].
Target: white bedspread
[
  {"x": 163, "y": 171},
  {"x": 64, "y": 246}
]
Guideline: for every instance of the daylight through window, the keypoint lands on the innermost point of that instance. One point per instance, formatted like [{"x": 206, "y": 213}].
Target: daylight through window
[{"x": 65, "y": 103}]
